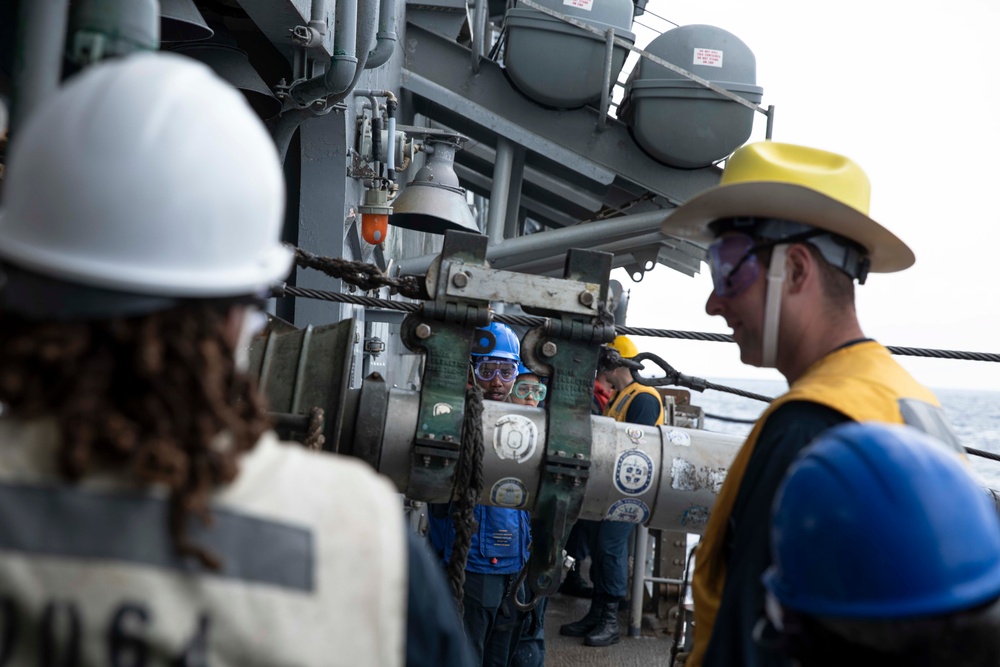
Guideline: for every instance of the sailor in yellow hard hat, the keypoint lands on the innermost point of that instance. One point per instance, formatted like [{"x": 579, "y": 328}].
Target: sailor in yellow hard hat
[{"x": 788, "y": 232}]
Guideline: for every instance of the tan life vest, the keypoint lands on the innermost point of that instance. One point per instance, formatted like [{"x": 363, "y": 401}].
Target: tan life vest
[
  {"x": 313, "y": 550},
  {"x": 618, "y": 405},
  {"x": 863, "y": 382}
]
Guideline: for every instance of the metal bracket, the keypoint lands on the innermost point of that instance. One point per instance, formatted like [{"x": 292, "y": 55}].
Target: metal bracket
[
  {"x": 469, "y": 281},
  {"x": 441, "y": 332},
  {"x": 568, "y": 350}
]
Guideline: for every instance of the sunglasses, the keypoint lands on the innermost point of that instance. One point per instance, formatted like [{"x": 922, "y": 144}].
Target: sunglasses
[
  {"x": 529, "y": 389},
  {"x": 487, "y": 370},
  {"x": 734, "y": 264}
]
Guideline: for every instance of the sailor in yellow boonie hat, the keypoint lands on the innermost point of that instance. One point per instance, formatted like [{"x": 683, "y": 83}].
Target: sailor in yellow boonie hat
[{"x": 772, "y": 195}]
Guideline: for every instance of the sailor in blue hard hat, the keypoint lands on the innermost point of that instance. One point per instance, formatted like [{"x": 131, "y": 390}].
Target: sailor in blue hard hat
[
  {"x": 886, "y": 551},
  {"x": 496, "y": 355}
]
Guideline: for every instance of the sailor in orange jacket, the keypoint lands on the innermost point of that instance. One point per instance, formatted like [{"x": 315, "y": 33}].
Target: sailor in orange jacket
[{"x": 789, "y": 232}]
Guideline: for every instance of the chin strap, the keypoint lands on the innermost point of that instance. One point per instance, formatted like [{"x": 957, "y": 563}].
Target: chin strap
[{"x": 772, "y": 306}]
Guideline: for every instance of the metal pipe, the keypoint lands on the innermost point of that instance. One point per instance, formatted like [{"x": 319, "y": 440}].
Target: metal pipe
[
  {"x": 557, "y": 259},
  {"x": 609, "y": 52},
  {"x": 500, "y": 191},
  {"x": 41, "y": 37},
  {"x": 385, "y": 38},
  {"x": 479, "y": 33},
  {"x": 576, "y": 236},
  {"x": 638, "y": 581},
  {"x": 679, "y": 471},
  {"x": 344, "y": 70}
]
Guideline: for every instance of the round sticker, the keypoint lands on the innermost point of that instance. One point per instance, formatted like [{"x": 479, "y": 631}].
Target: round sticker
[
  {"x": 634, "y": 434},
  {"x": 509, "y": 492},
  {"x": 515, "y": 437},
  {"x": 679, "y": 438},
  {"x": 628, "y": 510},
  {"x": 633, "y": 472}
]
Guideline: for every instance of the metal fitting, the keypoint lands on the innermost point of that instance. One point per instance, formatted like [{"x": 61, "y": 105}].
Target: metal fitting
[
  {"x": 587, "y": 298},
  {"x": 460, "y": 280},
  {"x": 422, "y": 331},
  {"x": 549, "y": 349}
]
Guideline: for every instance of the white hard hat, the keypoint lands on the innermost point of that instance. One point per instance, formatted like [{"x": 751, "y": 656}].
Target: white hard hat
[{"x": 147, "y": 175}]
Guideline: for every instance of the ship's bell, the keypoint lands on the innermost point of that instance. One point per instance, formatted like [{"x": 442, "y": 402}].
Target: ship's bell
[
  {"x": 180, "y": 21},
  {"x": 433, "y": 201}
]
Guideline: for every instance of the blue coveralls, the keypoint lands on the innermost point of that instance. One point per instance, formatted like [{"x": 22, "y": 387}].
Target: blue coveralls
[{"x": 498, "y": 553}]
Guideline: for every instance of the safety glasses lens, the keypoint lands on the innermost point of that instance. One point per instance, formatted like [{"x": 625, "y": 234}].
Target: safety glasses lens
[
  {"x": 535, "y": 390},
  {"x": 487, "y": 370},
  {"x": 734, "y": 264}
]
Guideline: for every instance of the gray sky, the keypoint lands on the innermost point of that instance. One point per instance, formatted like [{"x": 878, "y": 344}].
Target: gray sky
[{"x": 907, "y": 90}]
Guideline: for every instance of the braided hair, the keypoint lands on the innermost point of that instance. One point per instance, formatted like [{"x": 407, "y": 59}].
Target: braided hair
[{"x": 158, "y": 396}]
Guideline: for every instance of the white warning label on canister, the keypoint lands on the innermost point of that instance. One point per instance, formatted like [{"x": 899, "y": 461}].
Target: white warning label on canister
[
  {"x": 708, "y": 57},
  {"x": 580, "y": 4},
  {"x": 515, "y": 437},
  {"x": 509, "y": 492},
  {"x": 628, "y": 510},
  {"x": 633, "y": 472}
]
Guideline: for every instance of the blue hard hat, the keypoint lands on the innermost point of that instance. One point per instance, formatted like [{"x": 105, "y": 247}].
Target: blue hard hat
[
  {"x": 880, "y": 521},
  {"x": 497, "y": 340},
  {"x": 524, "y": 370}
]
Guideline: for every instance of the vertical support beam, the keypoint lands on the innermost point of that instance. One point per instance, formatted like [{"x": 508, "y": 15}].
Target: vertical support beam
[
  {"x": 513, "y": 218},
  {"x": 502, "y": 168},
  {"x": 638, "y": 580},
  {"x": 322, "y": 197},
  {"x": 38, "y": 56}
]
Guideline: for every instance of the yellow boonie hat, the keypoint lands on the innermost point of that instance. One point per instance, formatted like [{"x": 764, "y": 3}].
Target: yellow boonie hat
[
  {"x": 810, "y": 186},
  {"x": 626, "y": 348}
]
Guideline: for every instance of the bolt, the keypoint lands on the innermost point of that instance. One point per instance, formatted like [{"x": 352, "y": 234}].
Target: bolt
[
  {"x": 678, "y": 561},
  {"x": 460, "y": 279},
  {"x": 447, "y": 438},
  {"x": 587, "y": 298},
  {"x": 678, "y": 543},
  {"x": 423, "y": 331},
  {"x": 579, "y": 456},
  {"x": 561, "y": 453},
  {"x": 549, "y": 349}
]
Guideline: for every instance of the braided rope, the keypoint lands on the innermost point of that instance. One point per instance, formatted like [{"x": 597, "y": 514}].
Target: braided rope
[
  {"x": 469, "y": 484},
  {"x": 315, "y": 439}
]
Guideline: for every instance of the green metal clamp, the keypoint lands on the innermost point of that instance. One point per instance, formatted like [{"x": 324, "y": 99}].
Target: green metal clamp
[
  {"x": 442, "y": 332},
  {"x": 566, "y": 351}
]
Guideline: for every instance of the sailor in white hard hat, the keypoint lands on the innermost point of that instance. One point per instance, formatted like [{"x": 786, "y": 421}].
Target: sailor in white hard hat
[{"x": 146, "y": 509}]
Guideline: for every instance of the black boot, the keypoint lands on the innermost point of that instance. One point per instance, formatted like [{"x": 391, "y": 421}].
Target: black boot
[
  {"x": 587, "y": 623},
  {"x": 575, "y": 585},
  {"x": 606, "y": 632}
]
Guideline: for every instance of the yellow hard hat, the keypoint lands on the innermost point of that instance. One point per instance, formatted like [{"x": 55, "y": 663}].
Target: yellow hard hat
[
  {"x": 796, "y": 183},
  {"x": 626, "y": 348}
]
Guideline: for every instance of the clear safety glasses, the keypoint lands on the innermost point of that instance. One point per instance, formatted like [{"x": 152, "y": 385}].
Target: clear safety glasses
[
  {"x": 487, "y": 370},
  {"x": 734, "y": 263},
  {"x": 526, "y": 389}
]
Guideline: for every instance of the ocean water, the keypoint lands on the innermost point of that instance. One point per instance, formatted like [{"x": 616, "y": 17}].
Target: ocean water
[{"x": 975, "y": 415}]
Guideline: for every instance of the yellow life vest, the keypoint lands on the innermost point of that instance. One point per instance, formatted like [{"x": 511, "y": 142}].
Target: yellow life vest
[
  {"x": 863, "y": 382},
  {"x": 618, "y": 406}
]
